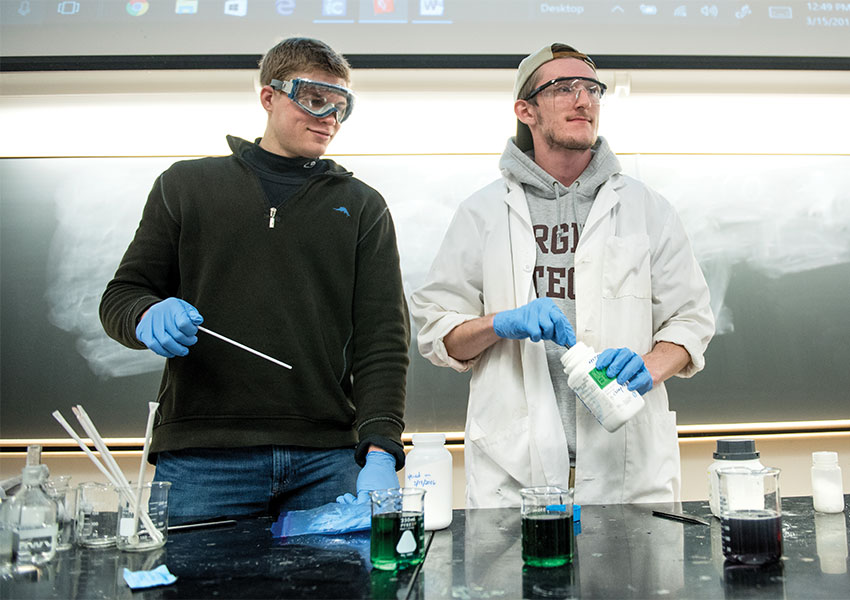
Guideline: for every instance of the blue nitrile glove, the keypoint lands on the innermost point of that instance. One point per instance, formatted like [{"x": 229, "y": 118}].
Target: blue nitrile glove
[
  {"x": 538, "y": 320},
  {"x": 361, "y": 498},
  {"x": 169, "y": 327},
  {"x": 627, "y": 367},
  {"x": 377, "y": 474}
]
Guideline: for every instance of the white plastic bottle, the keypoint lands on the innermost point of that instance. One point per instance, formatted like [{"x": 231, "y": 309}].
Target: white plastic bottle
[
  {"x": 730, "y": 452},
  {"x": 429, "y": 466},
  {"x": 827, "y": 488},
  {"x": 611, "y": 403}
]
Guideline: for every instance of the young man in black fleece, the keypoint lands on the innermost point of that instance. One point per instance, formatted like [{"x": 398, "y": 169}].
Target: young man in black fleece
[{"x": 291, "y": 255}]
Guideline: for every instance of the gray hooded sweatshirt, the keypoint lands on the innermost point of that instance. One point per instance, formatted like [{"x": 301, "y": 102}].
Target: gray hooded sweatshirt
[{"x": 558, "y": 214}]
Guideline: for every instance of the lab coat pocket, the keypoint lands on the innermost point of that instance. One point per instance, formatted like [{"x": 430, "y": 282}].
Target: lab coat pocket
[
  {"x": 507, "y": 447},
  {"x": 626, "y": 267},
  {"x": 652, "y": 456}
]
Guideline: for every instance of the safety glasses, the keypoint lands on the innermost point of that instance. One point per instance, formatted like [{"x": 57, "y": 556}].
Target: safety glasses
[
  {"x": 568, "y": 89},
  {"x": 317, "y": 98}
]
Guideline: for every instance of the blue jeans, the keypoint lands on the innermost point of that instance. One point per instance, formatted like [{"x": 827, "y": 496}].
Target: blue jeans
[{"x": 260, "y": 480}]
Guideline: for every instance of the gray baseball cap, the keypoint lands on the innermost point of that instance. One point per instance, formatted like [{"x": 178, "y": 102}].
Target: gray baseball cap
[{"x": 526, "y": 69}]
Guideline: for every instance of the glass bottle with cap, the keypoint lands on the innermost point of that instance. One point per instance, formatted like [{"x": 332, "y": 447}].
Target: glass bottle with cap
[
  {"x": 31, "y": 514},
  {"x": 730, "y": 452},
  {"x": 429, "y": 466}
]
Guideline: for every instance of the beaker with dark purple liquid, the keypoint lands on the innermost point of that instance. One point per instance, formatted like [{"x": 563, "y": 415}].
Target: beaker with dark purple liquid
[
  {"x": 750, "y": 515},
  {"x": 752, "y": 539}
]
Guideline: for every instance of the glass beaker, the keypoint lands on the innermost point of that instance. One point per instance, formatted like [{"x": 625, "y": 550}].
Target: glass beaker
[
  {"x": 547, "y": 526},
  {"x": 398, "y": 528},
  {"x": 750, "y": 515},
  {"x": 59, "y": 490},
  {"x": 133, "y": 535},
  {"x": 97, "y": 514}
]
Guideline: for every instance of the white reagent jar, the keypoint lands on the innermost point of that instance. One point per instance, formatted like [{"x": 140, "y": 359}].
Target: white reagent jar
[
  {"x": 611, "y": 403},
  {"x": 429, "y": 467},
  {"x": 827, "y": 487}
]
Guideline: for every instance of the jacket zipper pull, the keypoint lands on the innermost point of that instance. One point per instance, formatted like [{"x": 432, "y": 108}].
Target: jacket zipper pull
[{"x": 272, "y": 213}]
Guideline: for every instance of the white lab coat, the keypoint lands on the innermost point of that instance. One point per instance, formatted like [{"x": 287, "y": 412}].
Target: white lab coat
[{"x": 637, "y": 283}]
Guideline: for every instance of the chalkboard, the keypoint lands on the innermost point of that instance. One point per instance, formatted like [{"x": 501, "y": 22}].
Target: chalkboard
[{"x": 772, "y": 234}]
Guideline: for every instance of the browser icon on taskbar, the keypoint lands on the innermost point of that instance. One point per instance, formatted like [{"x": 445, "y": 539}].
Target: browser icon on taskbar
[{"x": 137, "y": 8}]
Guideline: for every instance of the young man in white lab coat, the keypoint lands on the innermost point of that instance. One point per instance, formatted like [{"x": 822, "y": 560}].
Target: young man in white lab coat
[{"x": 564, "y": 237}]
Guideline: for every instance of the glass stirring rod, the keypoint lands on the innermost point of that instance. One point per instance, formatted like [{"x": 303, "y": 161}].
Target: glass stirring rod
[{"x": 244, "y": 347}]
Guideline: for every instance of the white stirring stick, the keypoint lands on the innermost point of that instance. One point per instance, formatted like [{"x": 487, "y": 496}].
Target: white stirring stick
[
  {"x": 152, "y": 406},
  {"x": 94, "y": 435},
  {"x": 244, "y": 347},
  {"x": 58, "y": 416},
  {"x": 109, "y": 476},
  {"x": 112, "y": 465},
  {"x": 124, "y": 485},
  {"x": 118, "y": 478}
]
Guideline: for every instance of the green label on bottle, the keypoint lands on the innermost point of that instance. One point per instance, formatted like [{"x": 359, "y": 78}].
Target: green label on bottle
[{"x": 600, "y": 378}]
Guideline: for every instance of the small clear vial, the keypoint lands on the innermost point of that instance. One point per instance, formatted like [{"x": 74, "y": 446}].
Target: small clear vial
[
  {"x": 611, "y": 403},
  {"x": 31, "y": 514},
  {"x": 827, "y": 487},
  {"x": 429, "y": 466}
]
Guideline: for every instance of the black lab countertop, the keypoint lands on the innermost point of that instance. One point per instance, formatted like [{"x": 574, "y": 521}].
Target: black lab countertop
[{"x": 621, "y": 551}]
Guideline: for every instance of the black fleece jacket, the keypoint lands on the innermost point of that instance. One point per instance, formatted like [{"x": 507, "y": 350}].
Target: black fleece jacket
[{"x": 320, "y": 290}]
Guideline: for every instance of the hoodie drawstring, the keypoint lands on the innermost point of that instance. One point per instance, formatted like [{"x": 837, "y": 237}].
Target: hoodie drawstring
[{"x": 572, "y": 193}]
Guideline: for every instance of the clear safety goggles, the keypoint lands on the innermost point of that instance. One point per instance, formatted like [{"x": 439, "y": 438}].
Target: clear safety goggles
[
  {"x": 568, "y": 89},
  {"x": 317, "y": 98}
]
